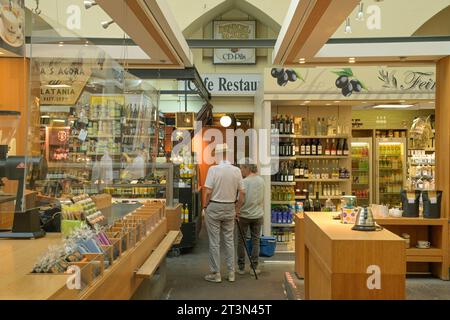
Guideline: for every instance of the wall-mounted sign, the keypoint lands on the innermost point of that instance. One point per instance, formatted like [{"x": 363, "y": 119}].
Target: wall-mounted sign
[
  {"x": 237, "y": 84},
  {"x": 62, "y": 82},
  {"x": 357, "y": 83},
  {"x": 12, "y": 25},
  {"x": 234, "y": 30}
]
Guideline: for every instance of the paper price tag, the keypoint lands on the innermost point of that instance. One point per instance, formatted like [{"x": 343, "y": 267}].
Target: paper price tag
[
  {"x": 433, "y": 200},
  {"x": 83, "y": 135}
]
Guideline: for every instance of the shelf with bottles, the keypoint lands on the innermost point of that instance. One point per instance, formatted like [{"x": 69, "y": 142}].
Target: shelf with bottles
[
  {"x": 333, "y": 191},
  {"x": 310, "y": 148},
  {"x": 320, "y": 126},
  {"x": 390, "y": 133},
  {"x": 324, "y": 171},
  {"x": 283, "y": 183}
]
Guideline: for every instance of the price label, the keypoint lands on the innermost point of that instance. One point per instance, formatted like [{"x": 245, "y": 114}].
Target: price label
[{"x": 83, "y": 135}]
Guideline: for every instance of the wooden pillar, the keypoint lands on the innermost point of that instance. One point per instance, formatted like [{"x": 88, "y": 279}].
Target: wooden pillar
[
  {"x": 14, "y": 95},
  {"x": 443, "y": 147},
  {"x": 443, "y": 132}
]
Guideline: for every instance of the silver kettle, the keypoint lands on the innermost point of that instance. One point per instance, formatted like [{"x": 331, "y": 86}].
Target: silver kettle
[{"x": 365, "y": 221}]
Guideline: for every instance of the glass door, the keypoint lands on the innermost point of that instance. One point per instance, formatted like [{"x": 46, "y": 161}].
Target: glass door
[
  {"x": 391, "y": 170},
  {"x": 362, "y": 170}
]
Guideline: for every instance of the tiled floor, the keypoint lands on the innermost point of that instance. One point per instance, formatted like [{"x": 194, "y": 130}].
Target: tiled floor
[{"x": 185, "y": 280}]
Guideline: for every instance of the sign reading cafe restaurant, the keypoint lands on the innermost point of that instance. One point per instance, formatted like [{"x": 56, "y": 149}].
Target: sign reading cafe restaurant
[{"x": 229, "y": 84}]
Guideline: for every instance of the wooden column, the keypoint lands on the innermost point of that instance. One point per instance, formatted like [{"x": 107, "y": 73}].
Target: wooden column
[
  {"x": 443, "y": 135},
  {"x": 14, "y": 94}
]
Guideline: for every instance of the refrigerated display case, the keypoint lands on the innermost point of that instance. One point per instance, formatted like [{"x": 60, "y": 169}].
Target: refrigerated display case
[
  {"x": 390, "y": 166},
  {"x": 362, "y": 183}
]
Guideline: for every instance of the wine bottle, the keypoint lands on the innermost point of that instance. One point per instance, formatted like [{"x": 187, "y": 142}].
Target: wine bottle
[
  {"x": 281, "y": 125},
  {"x": 308, "y": 148},
  {"x": 318, "y": 127},
  {"x": 319, "y": 148},
  {"x": 292, "y": 125},
  {"x": 317, "y": 205},
  {"x": 297, "y": 170},
  {"x": 307, "y": 205},
  {"x": 327, "y": 148},
  {"x": 305, "y": 171},
  {"x": 313, "y": 147},
  {"x": 301, "y": 171},
  {"x": 303, "y": 148},
  {"x": 339, "y": 147},
  {"x": 333, "y": 148}
]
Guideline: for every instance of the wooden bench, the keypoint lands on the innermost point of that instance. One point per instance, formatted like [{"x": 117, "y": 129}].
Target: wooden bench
[{"x": 151, "y": 264}]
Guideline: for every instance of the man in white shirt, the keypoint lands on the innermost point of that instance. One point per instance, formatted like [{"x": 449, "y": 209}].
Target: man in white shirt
[{"x": 222, "y": 185}]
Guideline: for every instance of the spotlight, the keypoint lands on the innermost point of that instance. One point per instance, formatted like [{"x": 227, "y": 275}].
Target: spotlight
[
  {"x": 348, "y": 28},
  {"x": 89, "y": 4},
  {"x": 360, "y": 15},
  {"x": 225, "y": 121},
  {"x": 106, "y": 24}
]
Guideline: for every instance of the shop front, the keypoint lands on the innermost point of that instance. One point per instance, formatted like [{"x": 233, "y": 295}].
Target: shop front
[{"x": 363, "y": 133}]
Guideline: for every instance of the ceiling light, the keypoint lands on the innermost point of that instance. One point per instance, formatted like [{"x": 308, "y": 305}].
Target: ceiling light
[
  {"x": 302, "y": 60},
  {"x": 238, "y": 124},
  {"x": 328, "y": 104},
  {"x": 337, "y": 101},
  {"x": 348, "y": 28},
  {"x": 225, "y": 121},
  {"x": 351, "y": 60},
  {"x": 360, "y": 15},
  {"x": 106, "y": 24},
  {"x": 61, "y": 44},
  {"x": 307, "y": 101},
  {"x": 1, "y": 53},
  {"x": 89, "y": 4},
  {"x": 393, "y": 106},
  {"x": 432, "y": 102}
]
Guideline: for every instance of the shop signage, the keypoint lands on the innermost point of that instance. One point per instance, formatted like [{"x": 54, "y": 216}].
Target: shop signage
[
  {"x": 62, "y": 82},
  {"x": 353, "y": 83},
  {"x": 229, "y": 84},
  {"x": 12, "y": 26},
  {"x": 234, "y": 30}
]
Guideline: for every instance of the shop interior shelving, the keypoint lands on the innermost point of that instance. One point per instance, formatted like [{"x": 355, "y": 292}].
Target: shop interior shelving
[
  {"x": 343, "y": 117},
  {"x": 433, "y": 260}
]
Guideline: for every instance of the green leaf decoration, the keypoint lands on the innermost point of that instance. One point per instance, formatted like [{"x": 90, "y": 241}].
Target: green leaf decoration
[
  {"x": 363, "y": 85},
  {"x": 348, "y": 71},
  {"x": 344, "y": 73},
  {"x": 299, "y": 76}
]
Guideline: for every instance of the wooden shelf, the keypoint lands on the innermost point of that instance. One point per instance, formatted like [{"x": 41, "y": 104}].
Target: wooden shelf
[
  {"x": 311, "y": 157},
  {"x": 411, "y": 221},
  {"x": 432, "y": 251},
  {"x": 282, "y": 202},
  {"x": 321, "y": 197},
  {"x": 322, "y": 180},
  {"x": 283, "y": 183},
  {"x": 298, "y": 136},
  {"x": 283, "y": 225}
]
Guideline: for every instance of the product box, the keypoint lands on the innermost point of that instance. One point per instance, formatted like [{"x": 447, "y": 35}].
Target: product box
[{"x": 348, "y": 215}]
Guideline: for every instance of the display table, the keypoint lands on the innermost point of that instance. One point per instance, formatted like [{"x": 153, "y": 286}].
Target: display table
[
  {"x": 338, "y": 261},
  {"x": 118, "y": 281}
]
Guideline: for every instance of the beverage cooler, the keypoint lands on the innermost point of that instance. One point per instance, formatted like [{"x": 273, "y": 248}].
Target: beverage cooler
[
  {"x": 362, "y": 183},
  {"x": 390, "y": 168}
]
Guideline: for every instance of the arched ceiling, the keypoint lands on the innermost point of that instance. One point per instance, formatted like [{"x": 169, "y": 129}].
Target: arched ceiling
[
  {"x": 193, "y": 15},
  {"x": 438, "y": 25}
]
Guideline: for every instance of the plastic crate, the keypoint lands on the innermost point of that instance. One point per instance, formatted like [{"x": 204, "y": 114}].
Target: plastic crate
[{"x": 267, "y": 246}]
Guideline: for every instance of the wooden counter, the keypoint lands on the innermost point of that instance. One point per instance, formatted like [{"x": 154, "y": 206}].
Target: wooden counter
[
  {"x": 119, "y": 281},
  {"x": 337, "y": 260}
]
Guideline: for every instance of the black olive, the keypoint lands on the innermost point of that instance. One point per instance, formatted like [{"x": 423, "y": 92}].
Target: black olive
[
  {"x": 292, "y": 76},
  {"x": 283, "y": 79},
  {"x": 341, "y": 82},
  {"x": 357, "y": 86},
  {"x": 276, "y": 72},
  {"x": 347, "y": 90}
]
